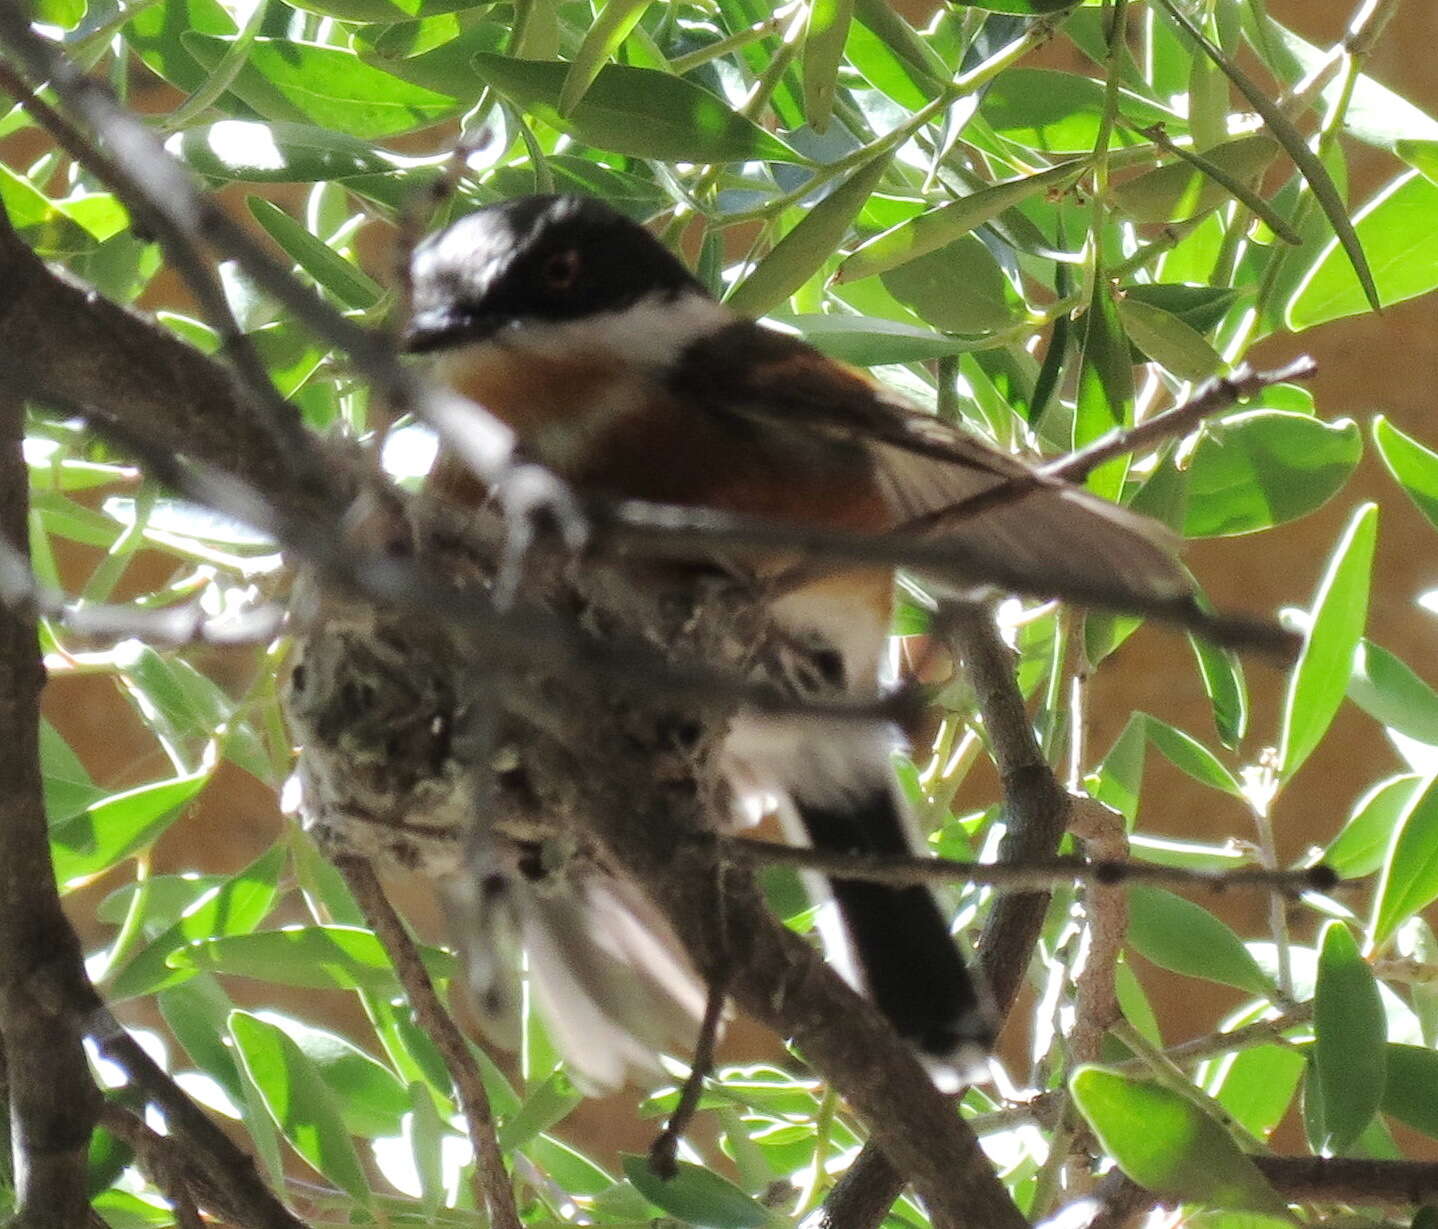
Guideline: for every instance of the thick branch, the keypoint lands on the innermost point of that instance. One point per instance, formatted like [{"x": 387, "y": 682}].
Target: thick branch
[{"x": 53, "y": 1101}]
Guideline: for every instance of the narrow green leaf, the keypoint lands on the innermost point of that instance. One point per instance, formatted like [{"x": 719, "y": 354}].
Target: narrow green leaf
[
  {"x": 1119, "y": 777},
  {"x": 369, "y": 1096},
  {"x": 1168, "y": 341},
  {"x": 1185, "y": 938},
  {"x": 155, "y": 33},
  {"x": 223, "y": 73},
  {"x": 1362, "y": 844},
  {"x": 315, "y": 957},
  {"x": 299, "y": 1102},
  {"x": 637, "y": 111},
  {"x": 1227, "y": 691},
  {"x": 1350, "y": 1039},
  {"x": 1105, "y": 384},
  {"x": 330, "y": 87},
  {"x": 1167, "y": 1144},
  {"x": 935, "y": 228},
  {"x": 612, "y": 25},
  {"x": 235, "y": 907},
  {"x": 959, "y": 288},
  {"x": 869, "y": 341},
  {"x": 1396, "y": 230},
  {"x": 275, "y": 152},
  {"x": 1187, "y": 753},
  {"x": 1195, "y": 184},
  {"x": 1340, "y": 609},
  {"x": 824, "y": 38},
  {"x": 802, "y": 252},
  {"x": 1330, "y": 200},
  {"x": 383, "y": 10},
  {"x": 1257, "y": 1086},
  {"x": 696, "y": 1195},
  {"x": 1389, "y": 691},
  {"x": 1410, "y": 874},
  {"x": 119, "y": 825},
  {"x": 68, "y": 787},
  {"x": 1057, "y": 113},
  {"x": 1259, "y": 468},
  {"x": 548, "y": 1104},
  {"x": 1410, "y": 1092},
  {"x": 1024, "y": 8},
  {"x": 350, "y": 285},
  {"x": 1413, "y": 466},
  {"x": 1199, "y": 307},
  {"x": 39, "y": 221}
]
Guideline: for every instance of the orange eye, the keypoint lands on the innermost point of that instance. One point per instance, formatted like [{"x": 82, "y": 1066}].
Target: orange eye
[{"x": 561, "y": 270}]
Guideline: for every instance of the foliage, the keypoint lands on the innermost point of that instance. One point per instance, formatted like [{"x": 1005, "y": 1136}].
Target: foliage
[{"x": 1040, "y": 253}]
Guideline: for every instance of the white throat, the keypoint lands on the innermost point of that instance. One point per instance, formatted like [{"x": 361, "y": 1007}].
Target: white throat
[{"x": 650, "y": 334}]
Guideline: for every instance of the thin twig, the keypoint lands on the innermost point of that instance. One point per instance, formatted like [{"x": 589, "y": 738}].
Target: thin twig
[
  {"x": 163, "y": 1162},
  {"x": 666, "y": 1143},
  {"x": 1027, "y": 876},
  {"x": 493, "y": 1187}
]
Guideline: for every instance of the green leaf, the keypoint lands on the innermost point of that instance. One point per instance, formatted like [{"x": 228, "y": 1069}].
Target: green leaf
[
  {"x": 868, "y": 341},
  {"x": 1260, "y": 468},
  {"x": 275, "y": 152},
  {"x": 118, "y": 826},
  {"x": 328, "y": 87},
  {"x": 1026, "y": 8},
  {"x": 1410, "y": 875},
  {"x": 802, "y": 252},
  {"x": 1362, "y": 844},
  {"x": 939, "y": 227},
  {"x": 156, "y": 33},
  {"x": 350, "y": 285},
  {"x": 67, "y": 14},
  {"x": 1199, "y": 307},
  {"x": 68, "y": 787},
  {"x": 637, "y": 111},
  {"x": 824, "y": 38},
  {"x": 1396, "y": 231},
  {"x": 299, "y": 1102},
  {"x": 314, "y": 957},
  {"x": 383, "y": 10},
  {"x": 1187, "y": 753},
  {"x": 1410, "y": 1092},
  {"x": 1257, "y": 1086},
  {"x": 1340, "y": 609},
  {"x": 1105, "y": 384},
  {"x": 1167, "y": 1144},
  {"x": 1120, "y": 776},
  {"x": 1413, "y": 466},
  {"x": 1168, "y": 341},
  {"x": 1185, "y": 938},
  {"x": 1181, "y": 190},
  {"x": 1350, "y": 1039},
  {"x": 370, "y": 1097},
  {"x": 235, "y": 907},
  {"x": 1390, "y": 692},
  {"x": 547, "y": 1104},
  {"x": 959, "y": 288},
  {"x": 612, "y": 25},
  {"x": 1062, "y": 113},
  {"x": 39, "y": 221},
  {"x": 1223, "y": 683},
  {"x": 696, "y": 1195}
]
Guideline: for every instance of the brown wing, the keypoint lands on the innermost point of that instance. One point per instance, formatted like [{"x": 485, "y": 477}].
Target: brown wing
[{"x": 1010, "y": 529}]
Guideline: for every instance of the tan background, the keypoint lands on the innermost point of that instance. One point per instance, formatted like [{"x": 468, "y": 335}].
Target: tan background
[{"x": 1367, "y": 365}]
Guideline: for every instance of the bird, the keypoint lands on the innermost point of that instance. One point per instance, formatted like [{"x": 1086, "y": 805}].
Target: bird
[{"x": 619, "y": 371}]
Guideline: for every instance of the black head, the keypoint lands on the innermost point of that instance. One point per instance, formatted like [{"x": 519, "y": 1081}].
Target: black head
[{"x": 534, "y": 259}]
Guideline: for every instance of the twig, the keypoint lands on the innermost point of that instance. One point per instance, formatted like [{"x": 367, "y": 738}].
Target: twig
[
  {"x": 168, "y": 625},
  {"x": 666, "y": 1143},
  {"x": 492, "y": 1184},
  {"x": 162, "y": 1161},
  {"x": 1027, "y": 876},
  {"x": 1106, "y": 909},
  {"x": 53, "y": 1102}
]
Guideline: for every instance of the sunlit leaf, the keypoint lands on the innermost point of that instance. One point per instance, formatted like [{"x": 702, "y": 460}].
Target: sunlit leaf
[{"x": 1350, "y": 1038}]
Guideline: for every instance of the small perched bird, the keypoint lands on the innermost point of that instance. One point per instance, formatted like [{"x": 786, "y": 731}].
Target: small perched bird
[{"x": 618, "y": 370}]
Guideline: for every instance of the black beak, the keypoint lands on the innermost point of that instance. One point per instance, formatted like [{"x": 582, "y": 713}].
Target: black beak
[{"x": 441, "y": 328}]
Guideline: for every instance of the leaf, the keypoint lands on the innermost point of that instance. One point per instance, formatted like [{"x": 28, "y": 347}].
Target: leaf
[
  {"x": 350, "y": 285},
  {"x": 637, "y": 111},
  {"x": 1199, "y": 307},
  {"x": 1410, "y": 1091},
  {"x": 1413, "y": 466},
  {"x": 276, "y": 152},
  {"x": 1120, "y": 776},
  {"x": 959, "y": 288},
  {"x": 1061, "y": 113},
  {"x": 1350, "y": 1039},
  {"x": 548, "y": 1103},
  {"x": 824, "y": 37},
  {"x": 939, "y": 227},
  {"x": 1187, "y": 753},
  {"x": 612, "y": 25},
  {"x": 1105, "y": 384},
  {"x": 1260, "y": 468},
  {"x": 1410, "y": 874},
  {"x": 119, "y": 825},
  {"x": 299, "y": 1102},
  {"x": 802, "y": 252},
  {"x": 39, "y": 221},
  {"x": 1361, "y": 846},
  {"x": 1396, "y": 231},
  {"x": 1223, "y": 683},
  {"x": 1340, "y": 609},
  {"x": 314, "y": 957},
  {"x": 696, "y": 1195},
  {"x": 1257, "y": 1085},
  {"x": 370, "y": 1097},
  {"x": 1168, "y": 341},
  {"x": 1390, "y": 692},
  {"x": 1185, "y": 938},
  {"x": 868, "y": 341},
  {"x": 383, "y": 10},
  {"x": 328, "y": 87},
  {"x": 1168, "y": 1145},
  {"x": 1182, "y": 190},
  {"x": 1026, "y": 8},
  {"x": 236, "y": 906},
  {"x": 156, "y": 34},
  {"x": 68, "y": 787}
]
